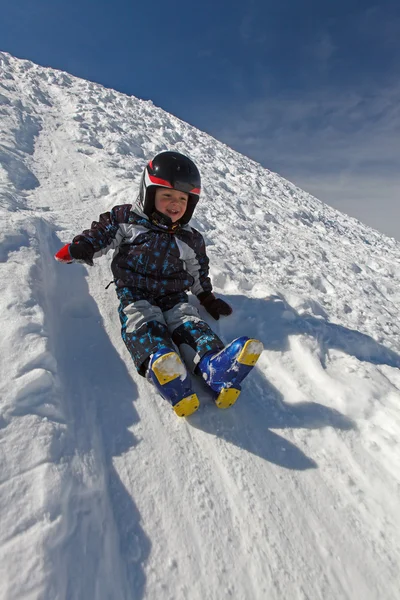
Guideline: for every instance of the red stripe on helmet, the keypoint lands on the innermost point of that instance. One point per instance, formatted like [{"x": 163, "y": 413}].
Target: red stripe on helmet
[
  {"x": 195, "y": 191},
  {"x": 158, "y": 181}
]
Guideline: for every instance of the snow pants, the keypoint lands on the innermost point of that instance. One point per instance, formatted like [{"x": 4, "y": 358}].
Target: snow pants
[{"x": 148, "y": 324}]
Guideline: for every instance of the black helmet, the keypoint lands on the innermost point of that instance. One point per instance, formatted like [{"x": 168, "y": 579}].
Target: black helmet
[{"x": 172, "y": 170}]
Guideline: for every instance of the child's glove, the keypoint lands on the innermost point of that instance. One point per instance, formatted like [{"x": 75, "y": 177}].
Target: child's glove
[
  {"x": 63, "y": 255},
  {"x": 214, "y": 306},
  {"x": 79, "y": 251}
]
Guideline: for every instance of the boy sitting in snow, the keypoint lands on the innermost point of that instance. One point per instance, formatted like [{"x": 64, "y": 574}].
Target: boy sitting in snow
[{"x": 158, "y": 257}]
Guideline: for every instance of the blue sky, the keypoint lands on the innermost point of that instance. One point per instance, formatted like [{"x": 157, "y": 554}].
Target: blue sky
[{"x": 310, "y": 89}]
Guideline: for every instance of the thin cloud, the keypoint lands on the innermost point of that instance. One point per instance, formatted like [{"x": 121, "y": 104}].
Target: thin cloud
[
  {"x": 377, "y": 23},
  {"x": 249, "y": 28},
  {"x": 324, "y": 48}
]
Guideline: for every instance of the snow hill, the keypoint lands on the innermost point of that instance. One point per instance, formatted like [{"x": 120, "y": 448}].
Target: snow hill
[{"x": 107, "y": 495}]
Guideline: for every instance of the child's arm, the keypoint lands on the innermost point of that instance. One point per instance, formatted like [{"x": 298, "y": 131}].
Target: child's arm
[
  {"x": 103, "y": 235},
  {"x": 198, "y": 267},
  {"x": 197, "y": 261}
]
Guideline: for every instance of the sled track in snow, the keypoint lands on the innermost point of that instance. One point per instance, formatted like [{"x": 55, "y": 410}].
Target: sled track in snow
[{"x": 100, "y": 539}]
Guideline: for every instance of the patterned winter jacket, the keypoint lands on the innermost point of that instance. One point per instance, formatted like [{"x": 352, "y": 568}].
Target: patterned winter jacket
[{"x": 147, "y": 258}]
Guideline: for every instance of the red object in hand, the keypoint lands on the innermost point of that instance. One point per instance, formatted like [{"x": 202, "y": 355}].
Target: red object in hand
[{"x": 63, "y": 255}]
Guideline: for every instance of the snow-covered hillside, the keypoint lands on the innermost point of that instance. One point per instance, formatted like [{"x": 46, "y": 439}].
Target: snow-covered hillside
[{"x": 107, "y": 495}]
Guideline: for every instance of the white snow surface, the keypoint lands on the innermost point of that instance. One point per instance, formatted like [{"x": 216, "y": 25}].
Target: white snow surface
[{"x": 293, "y": 493}]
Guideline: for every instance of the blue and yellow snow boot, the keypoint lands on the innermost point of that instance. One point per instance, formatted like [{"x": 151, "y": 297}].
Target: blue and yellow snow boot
[
  {"x": 225, "y": 369},
  {"x": 168, "y": 373}
]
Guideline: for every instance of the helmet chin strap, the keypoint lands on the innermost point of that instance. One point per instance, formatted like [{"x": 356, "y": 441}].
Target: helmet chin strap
[{"x": 163, "y": 221}]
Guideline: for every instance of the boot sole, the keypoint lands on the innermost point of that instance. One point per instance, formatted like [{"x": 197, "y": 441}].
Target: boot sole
[
  {"x": 227, "y": 397},
  {"x": 167, "y": 368},
  {"x": 250, "y": 353},
  {"x": 187, "y": 406},
  {"x": 248, "y": 356}
]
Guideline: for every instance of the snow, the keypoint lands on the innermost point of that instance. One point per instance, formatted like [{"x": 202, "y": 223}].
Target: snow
[{"x": 293, "y": 493}]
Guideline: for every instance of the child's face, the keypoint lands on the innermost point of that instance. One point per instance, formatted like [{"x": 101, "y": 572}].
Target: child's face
[{"x": 171, "y": 203}]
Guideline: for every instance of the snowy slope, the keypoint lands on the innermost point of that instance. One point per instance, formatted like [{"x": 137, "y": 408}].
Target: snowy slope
[{"x": 105, "y": 493}]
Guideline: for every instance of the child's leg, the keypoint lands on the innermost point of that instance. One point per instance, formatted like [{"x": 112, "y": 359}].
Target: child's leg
[
  {"x": 169, "y": 375},
  {"x": 143, "y": 330},
  {"x": 223, "y": 368},
  {"x": 147, "y": 338},
  {"x": 193, "y": 336}
]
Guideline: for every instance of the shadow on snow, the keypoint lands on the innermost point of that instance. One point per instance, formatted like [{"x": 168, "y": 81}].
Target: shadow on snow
[
  {"x": 249, "y": 425},
  {"x": 100, "y": 393},
  {"x": 273, "y": 320},
  {"x": 262, "y": 408}
]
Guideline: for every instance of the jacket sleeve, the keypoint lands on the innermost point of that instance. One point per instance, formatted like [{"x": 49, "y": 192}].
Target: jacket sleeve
[
  {"x": 106, "y": 233},
  {"x": 197, "y": 265}
]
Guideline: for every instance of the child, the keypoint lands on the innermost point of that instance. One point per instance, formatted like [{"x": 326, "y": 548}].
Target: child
[{"x": 159, "y": 257}]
